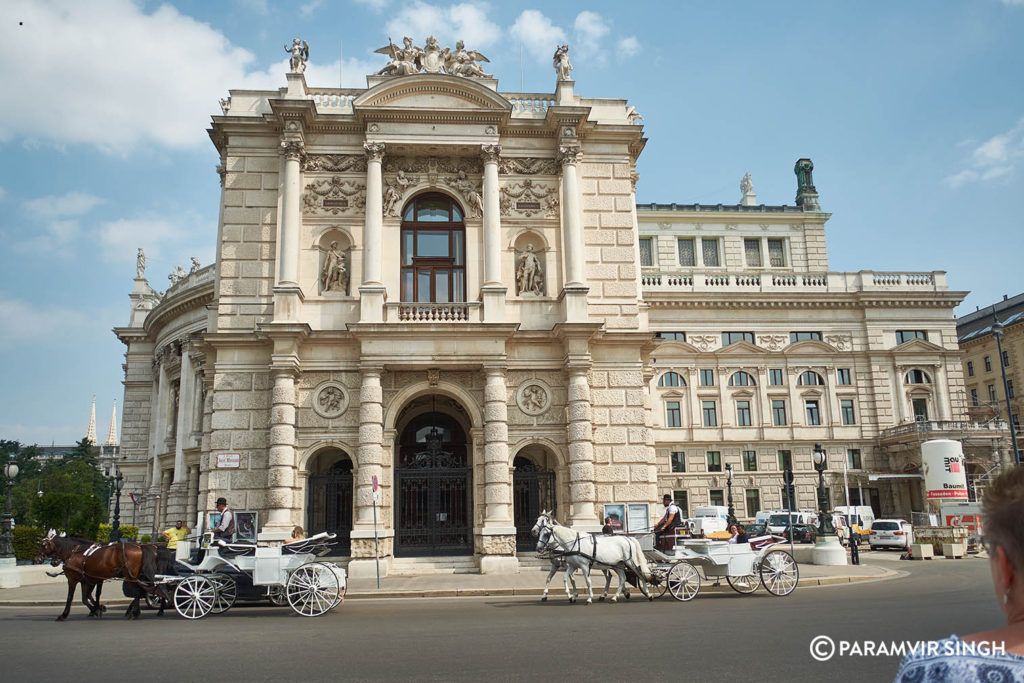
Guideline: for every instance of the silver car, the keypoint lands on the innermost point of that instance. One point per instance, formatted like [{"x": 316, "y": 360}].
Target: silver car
[{"x": 890, "y": 533}]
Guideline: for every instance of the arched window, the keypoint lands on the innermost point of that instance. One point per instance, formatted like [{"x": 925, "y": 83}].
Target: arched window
[
  {"x": 917, "y": 377},
  {"x": 810, "y": 377},
  {"x": 742, "y": 379},
  {"x": 671, "y": 379},
  {"x": 433, "y": 250}
]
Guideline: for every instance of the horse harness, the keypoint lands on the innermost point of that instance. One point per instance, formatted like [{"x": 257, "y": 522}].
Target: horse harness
[{"x": 576, "y": 549}]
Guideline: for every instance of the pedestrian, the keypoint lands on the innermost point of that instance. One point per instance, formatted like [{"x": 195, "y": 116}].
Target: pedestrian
[
  {"x": 176, "y": 533},
  {"x": 225, "y": 529},
  {"x": 607, "y": 528},
  {"x": 974, "y": 657}
]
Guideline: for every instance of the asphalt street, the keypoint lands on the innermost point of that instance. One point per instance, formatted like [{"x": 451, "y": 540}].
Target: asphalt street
[{"x": 714, "y": 637}]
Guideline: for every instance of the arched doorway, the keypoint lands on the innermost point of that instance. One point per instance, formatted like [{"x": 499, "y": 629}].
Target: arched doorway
[
  {"x": 433, "y": 482},
  {"x": 329, "y": 506},
  {"x": 433, "y": 251},
  {"x": 533, "y": 490}
]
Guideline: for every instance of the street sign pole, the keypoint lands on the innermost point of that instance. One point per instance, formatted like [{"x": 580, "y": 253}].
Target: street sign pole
[
  {"x": 376, "y": 545},
  {"x": 787, "y": 478}
]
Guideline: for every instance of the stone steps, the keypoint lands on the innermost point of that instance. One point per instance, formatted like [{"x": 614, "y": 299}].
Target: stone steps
[{"x": 420, "y": 566}]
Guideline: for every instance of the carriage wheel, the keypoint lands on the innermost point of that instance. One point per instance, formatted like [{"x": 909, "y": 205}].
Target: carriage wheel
[
  {"x": 743, "y": 584},
  {"x": 277, "y": 596},
  {"x": 227, "y": 591},
  {"x": 313, "y": 589},
  {"x": 152, "y": 601},
  {"x": 779, "y": 572},
  {"x": 194, "y": 597},
  {"x": 659, "y": 589},
  {"x": 683, "y": 581}
]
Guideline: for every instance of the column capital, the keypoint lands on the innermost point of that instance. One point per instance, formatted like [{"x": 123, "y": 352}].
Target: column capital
[
  {"x": 372, "y": 370},
  {"x": 374, "y": 150},
  {"x": 293, "y": 149},
  {"x": 495, "y": 370},
  {"x": 490, "y": 154},
  {"x": 569, "y": 155}
]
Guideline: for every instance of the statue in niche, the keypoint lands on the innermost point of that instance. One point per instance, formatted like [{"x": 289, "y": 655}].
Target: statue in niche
[
  {"x": 195, "y": 266},
  {"x": 404, "y": 60},
  {"x": 529, "y": 275},
  {"x": 463, "y": 62},
  {"x": 140, "y": 264},
  {"x": 299, "y": 51},
  {"x": 468, "y": 189},
  {"x": 393, "y": 192},
  {"x": 562, "y": 64},
  {"x": 333, "y": 274}
]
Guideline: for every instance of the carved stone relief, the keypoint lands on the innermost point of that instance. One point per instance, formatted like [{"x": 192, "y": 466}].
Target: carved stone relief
[
  {"x": 394, "y": 190},
  {"x": 333, "y": 196},
  {"x": 534, "y": 397},
  {"x": 772, "y": 342},
  {"x": 335, "y": 163},
  {"x": 843, "y": 342},
  {"x": 433, "y": 166},
  {"x": 330, "y": 400},
  {"x": 528, "y": 198},
  {"x": 704, "y": 342},
  {"x": 528, "y": 166}
]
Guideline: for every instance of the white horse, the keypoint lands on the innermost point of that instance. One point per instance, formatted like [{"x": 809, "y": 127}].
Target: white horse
[
  {"x": 546, "y": 548},
  {"x": 583, "y": 551}
]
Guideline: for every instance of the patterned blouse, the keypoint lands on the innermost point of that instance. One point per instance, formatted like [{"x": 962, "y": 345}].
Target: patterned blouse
[{"x": 949, "y": 662}]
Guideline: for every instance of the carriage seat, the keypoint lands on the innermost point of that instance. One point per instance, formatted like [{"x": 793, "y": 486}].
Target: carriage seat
[
  {"x": 760, "y": 542},
  {"x": 309, "y": 545},
  {"x": 234, "y": 549}
]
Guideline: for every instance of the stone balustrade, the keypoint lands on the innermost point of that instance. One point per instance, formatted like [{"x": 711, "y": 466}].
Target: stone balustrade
[
  {"x": 665, "y": 280},
  {"x": 526, "y": 105},
  {"x": 200, "y": 277},
  {"x": 996, "y": 427},
  {"x": 433, "y": 313},
  {"x": 333, "y": 100}
]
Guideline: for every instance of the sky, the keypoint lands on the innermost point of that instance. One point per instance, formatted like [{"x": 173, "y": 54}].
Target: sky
[{"x": 913, "y": 113}]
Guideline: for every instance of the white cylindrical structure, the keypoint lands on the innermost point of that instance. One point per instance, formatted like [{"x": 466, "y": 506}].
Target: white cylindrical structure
[
  {"x": 374, "y": 224},
  {"x": 492, "y": 216},
  {"x": 291, "y": 212},
  {"x": 572, "y": 219},
  {"x": 945, "y": 470}
]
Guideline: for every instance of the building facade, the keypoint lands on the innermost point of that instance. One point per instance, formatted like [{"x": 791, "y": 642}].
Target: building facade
[{"x": 438, "y": 306}]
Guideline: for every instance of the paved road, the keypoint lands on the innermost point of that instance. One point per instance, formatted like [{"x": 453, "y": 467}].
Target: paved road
[{"x": 714, "y": 637}]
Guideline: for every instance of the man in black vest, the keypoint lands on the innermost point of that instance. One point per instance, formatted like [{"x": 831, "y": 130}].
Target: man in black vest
[{"x": 226, "y": 528}]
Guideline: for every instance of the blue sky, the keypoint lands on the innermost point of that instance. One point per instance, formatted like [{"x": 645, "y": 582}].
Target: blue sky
[{"x": 913, "y": 113}]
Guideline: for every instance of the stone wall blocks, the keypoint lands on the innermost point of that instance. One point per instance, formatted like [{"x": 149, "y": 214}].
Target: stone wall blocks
[
  {"x": 623, "y": 187},
  {"x": 242, "y": 181},
  {"x": 262, "y": 198},
  {"x": 625, "y": 378},
  {"x": 223, "y": 419},
  {"x": 599, "y": 237},
  {"x": 253, "y": 400},
  {"x": 642, "y": 473},
  {"x": 635, "y": 397},
  {"x": 233, "y": 197},
  {"x": 232, "y": 381},
  {"x": 612, "y": 473},
  {"x": 624, "y": 171},
  {"x": 371, "y": 433},
  {"x": 610, "y": 435},
  {"x": 582, "y": 491},
  {"x": 261, "y": 381},
  {"x": 596, "y": 170},
  {"x": 263, "y": 163},
  {"x": 230, "y": 233},
  {"x": 579, "y": 431},
  {"x": 605, "y": 492},
  {"x": 632, "y": 492},
  {"x": 633, "y": 453},
  {"x": 596, "y": 202},
  {"x": 282, "y": 435},
  {"x": 248, "y": 439},
  {"x": 220, "y": 440},
  {"x": 609, "y": 397},
  {"x": 495, "y": 432},
  {"x": 616, "y": 254}
]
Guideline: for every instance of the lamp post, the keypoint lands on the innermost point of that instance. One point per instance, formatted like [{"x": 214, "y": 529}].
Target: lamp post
[
  {"x": 6, "y": 538},
  {"x": 115, "y": 525},
  {"x": 728, "y": 485},
  {"x": 825, "y": 527},
  {"x": 997, "y": 330}
]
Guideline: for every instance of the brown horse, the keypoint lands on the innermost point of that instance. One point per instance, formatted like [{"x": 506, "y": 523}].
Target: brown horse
[{"x": 58, "y": 549}]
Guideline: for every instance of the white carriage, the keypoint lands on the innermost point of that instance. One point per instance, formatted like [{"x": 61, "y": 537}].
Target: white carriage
[
  {"x": 291, "y": 573},
  {"x": 743, "y": 565}
]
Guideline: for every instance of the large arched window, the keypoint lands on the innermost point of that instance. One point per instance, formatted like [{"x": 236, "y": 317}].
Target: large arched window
[
  {"x": 433, "y": 250},
  {"x": 811, "y": 378},
  {"x": 671, "y": 379},
  {"x": 917, "y": 377},
  {"x": 742, "y": 379}
]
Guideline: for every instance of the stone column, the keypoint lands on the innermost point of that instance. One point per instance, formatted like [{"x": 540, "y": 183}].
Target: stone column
[
  {"x": 941, "y": 388},
  {"x": 371, "y": 292},
  {"x": 157, "y": 420},
  {"x": 281, "y": 455},
  {"x": 574, "y": 292},
  {"x": 581, "y": 449},
  {"x": 192, "y": 497},
  {"x": 291, "y": 211},
  {"x": 493, "y": 291},
  {"x": 182, "y": 429},
  {"x": 370, "y": 456},
  {"x": 498, "y": 542}
]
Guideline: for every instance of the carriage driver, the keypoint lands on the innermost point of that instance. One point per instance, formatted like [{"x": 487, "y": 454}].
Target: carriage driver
[
  {"x": 666, "y": 528},
  {"x": 226, "y": 529}
]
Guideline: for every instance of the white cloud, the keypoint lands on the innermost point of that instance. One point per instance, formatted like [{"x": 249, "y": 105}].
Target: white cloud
[
  {"x": 23, "y": 322},
  {"x": 307, "y": 9},
  {"x": 538, "y": 34},
  {"x": 995, "y": 158},
  {"x": 70, "y": 204},
  {"x": 52, "y": 223},
  {"x": 119, "y": 238},
  {"x": 375, "y": 5},
  {"x": 590, "y": 30},
  {"x": 466, "y": 21},
  {"x": 629, "y": 46},
  {"x": 258, "y": 6}
]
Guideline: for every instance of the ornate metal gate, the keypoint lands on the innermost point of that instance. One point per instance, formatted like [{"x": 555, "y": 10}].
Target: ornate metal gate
[
  {"x": 433, "y": 504},
  {"x": 533, "y": 490},
  {"x": 330, "y": 505}
]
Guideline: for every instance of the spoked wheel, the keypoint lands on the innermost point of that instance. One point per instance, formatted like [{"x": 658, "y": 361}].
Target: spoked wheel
[
  {"x": 659, "y": 589},
  {"x": 683, "y": 581},
  {"x": 743, "y": 584},
  {"x": 779, "y": 572},
  {"x": 194, "y": 597},
  {"x": 277, "y": 596},
  {"x": 227, "y": 591},
  {"x": 313, "y": 589}
]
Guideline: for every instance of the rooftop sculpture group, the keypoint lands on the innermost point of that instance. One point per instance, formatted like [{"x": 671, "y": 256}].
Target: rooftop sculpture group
[{"x": 431, "y": 59}]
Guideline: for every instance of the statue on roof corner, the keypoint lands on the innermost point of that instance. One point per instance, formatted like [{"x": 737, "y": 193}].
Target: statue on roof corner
[
  {"x": 140, "y": 264},
  {"x": 561, "y": 63},
  {"x": 404, "y": 60},
  {"x": 299, "y": 51},
  {"x": 463, "y": 62}
]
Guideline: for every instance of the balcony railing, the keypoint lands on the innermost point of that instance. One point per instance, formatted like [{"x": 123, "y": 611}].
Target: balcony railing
[
  {"x": 923, "y": 426},
  {"x": 407, "y": 312},
  {"x": 673, "y": 280}
]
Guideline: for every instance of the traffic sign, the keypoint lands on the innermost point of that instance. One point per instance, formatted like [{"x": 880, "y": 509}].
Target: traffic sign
[
  {"x": 376, "y": 496},
  {"x": 374, "y": 480}
]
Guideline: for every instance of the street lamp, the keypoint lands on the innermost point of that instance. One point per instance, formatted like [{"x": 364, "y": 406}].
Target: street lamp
[
  {"x": 115, "y": 526},
  {"x": 825, "y": 527},
  {"x": 997, "y": 330},
  {"x": 6, "y": 538},
  {"x": 728, "y": 485}
]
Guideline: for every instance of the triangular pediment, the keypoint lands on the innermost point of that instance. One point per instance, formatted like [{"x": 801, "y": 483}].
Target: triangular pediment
[
  {"x": 918, "y": 345},
  {"x": 673, "y": 348},
  {"x": 809, "y": 346},
  {"x": 431, "y": 92},
  {"x": 741, "y": 347}
]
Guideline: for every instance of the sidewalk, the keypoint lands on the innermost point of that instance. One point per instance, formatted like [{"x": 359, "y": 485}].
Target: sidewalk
[{"x": 530, "y": 581}]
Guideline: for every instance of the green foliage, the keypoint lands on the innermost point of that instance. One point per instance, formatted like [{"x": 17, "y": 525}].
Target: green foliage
[
  {"x": 27, "y": 540},
  {"x": 146, "y": 538},
  {"x": 127, "y": 531}
]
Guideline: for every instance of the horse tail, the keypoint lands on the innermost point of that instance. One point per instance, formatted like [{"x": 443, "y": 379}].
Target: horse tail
[{"x": 643, "y": 568}]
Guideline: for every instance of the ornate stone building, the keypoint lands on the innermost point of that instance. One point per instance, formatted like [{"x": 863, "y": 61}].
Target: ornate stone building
[{"x": 449, "y": 293}]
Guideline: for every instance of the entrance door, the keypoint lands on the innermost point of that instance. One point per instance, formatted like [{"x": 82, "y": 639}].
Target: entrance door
[
  {"x": 920, "y": 406},
  {"x": 330, "y": 505},
  {"x": 533, "y": 490},
  {"x": 432, "y": 508}
]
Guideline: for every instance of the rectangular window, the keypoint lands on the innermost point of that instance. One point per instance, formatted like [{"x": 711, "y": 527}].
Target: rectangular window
[
  {"x": 707, "y": 378},
  {"x": 733, "y": 337},
  {"x": 1009, "y": 388},
  {"x": 785, "y": 460},
  {"x": 682, "y": 501},
  {"x": 716, "y": 497},
  {"x": 846, "y": 409},
  {"x": 843, "y": 376},
  {"x": 974, "y": 397},
  {"x": 714, "y": 461},
  {"x": 813, "y": 414},
  {"x": 687, "y": 254},
  {"x": 853, "y": 459},
  {"x": 775, "y": 377},
  {"x": 988, "y": 364},
  {"x": 991, "y": 392},
  {"x": 646, "y": 252},
  {"x": 674, "y": 336},
  {"x": 777, "y": 253},
  {"x": 672, "y": 415},
  {"x": 970, "y": 368},
  {"x": 743, "y": 413},
  {"x": 678, "y": 460},
  {"x": 903, "y": 336},
  {"x": 753, "y": 498},
  {"x": 752, "y": 252},
  {"x": 750, "y": 461},
  {"x": 709, "y": 250},
  {"x": 710, "y": 413},
  {"x": 779, "y": 413},
  {"x": 794, "y": 337},
  {"x": 1006, "y": 359}
]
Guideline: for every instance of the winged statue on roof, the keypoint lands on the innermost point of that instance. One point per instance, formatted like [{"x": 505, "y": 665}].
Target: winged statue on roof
[
  {"x": 463, "y": 62},
  {"x": 404, "y": 60},
  {"x": 299, "y": 50}
]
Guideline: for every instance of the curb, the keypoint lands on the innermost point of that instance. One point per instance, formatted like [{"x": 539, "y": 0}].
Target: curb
[{"x": 806, "y": 582}]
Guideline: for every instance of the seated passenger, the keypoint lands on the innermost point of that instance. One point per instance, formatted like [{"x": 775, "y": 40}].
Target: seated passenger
[
  {"x": 298, "y": 534},
  {"x": 739, "y": 534}
]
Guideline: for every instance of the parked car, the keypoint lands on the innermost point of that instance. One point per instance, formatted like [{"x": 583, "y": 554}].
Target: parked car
[
  {"x": 757, "y": 529},
  {"x": 890, "y": 533},
  {"x": 802, "y": 533}
]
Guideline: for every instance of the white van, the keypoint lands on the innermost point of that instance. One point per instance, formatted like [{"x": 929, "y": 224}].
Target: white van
[
  {"x": 707, "y": 519},
  {"x": 858, "y": 517},
  {"x": 780, "y": 519}
]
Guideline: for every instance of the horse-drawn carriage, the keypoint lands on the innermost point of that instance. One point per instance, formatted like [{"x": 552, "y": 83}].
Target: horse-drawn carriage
[{"x": 291, "y": 574}]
